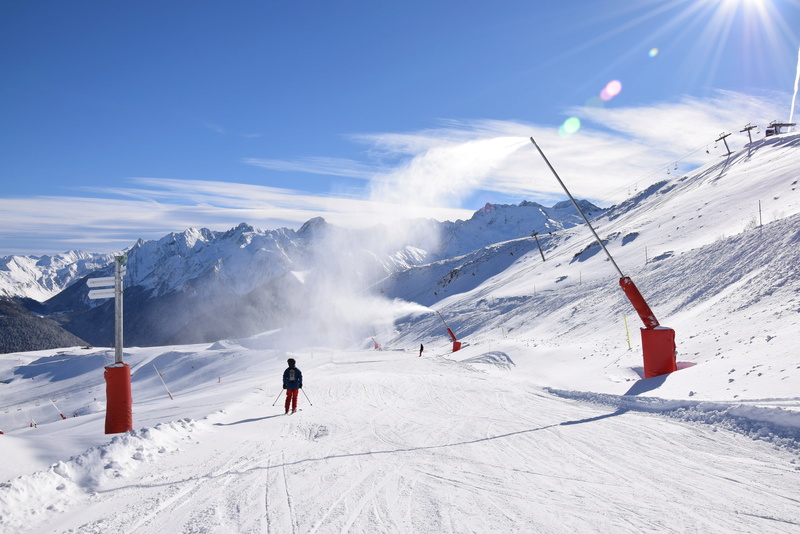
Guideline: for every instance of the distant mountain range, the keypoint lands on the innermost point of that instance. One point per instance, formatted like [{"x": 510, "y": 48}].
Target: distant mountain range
[
  {"x": 41, "y": 277},
  {"x": 200, "y": 285}
]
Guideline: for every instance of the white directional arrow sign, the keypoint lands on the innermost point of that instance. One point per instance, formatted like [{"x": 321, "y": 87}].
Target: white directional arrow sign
[
  {"x": 100, "y": 282},
  {"x": 108, "y": 293}
]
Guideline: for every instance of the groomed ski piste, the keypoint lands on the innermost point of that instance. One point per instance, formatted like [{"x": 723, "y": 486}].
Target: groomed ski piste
[{"x": 542, "y": 422}]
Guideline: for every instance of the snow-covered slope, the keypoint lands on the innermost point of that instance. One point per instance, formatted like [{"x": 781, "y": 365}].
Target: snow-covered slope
[
  {"x": 384, "y": 442},
  {"x": 695, "y": 248}
]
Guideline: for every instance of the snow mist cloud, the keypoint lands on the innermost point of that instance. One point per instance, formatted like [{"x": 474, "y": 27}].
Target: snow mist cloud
[{"x": 336, "y": 306}]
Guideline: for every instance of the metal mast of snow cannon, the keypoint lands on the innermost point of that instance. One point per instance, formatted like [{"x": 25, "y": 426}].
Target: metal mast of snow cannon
[
  {"x": 456, "y": 343},
  {"x": 658, "y": 342}
]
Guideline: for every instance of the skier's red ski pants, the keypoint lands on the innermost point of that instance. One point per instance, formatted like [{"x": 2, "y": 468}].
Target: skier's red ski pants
[{"x": 291, "y": 397}]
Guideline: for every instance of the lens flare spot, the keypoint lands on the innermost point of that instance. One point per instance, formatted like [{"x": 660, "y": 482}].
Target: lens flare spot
[
  {"x": 570, "y": 126},
  {"x": 611, "y": 90},
  {"x": 614, "y": 87},
  {"x": 653, "y": 52}
]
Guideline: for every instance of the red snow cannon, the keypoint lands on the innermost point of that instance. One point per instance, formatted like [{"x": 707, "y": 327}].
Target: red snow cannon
[
  {"x": 119, "y": 407},
  {"x": 456, "y": 342},
  {"x": 658, "y": 342}
]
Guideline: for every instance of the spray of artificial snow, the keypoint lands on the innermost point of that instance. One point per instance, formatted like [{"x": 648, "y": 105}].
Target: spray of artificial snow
[{"x": 796, "y": 82}]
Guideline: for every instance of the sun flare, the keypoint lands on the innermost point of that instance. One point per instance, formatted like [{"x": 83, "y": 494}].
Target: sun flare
[{"x": 752, "y": 34}]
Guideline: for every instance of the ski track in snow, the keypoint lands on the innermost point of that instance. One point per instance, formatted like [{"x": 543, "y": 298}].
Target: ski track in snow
[{"x": 433, "y": 445}]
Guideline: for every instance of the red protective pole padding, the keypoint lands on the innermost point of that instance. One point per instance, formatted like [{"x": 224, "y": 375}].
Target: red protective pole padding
[
  {"x": 119, "y": 407},
  {"x": 456, "y": 346},
  {"x": 632, "y": 292}
]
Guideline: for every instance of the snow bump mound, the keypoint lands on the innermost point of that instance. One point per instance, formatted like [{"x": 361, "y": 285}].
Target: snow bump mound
[
  {"x": 494, "y": 358},
  {"x": 57, "y": 488}
]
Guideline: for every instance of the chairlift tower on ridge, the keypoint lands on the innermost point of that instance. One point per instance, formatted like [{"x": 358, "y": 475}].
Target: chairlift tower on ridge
[
  {"x": 747, "y": 129},
  {"x": 722, "y": 137}
]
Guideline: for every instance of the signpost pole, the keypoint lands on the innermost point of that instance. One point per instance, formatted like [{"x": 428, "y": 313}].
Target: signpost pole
[{"x": 119, "y": 261}]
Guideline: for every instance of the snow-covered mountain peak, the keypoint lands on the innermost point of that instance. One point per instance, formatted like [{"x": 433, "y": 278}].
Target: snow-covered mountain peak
[
  {"x": 587, "y": 207},
  {"x": 314, "y": 226},
  {"x": 527, "y": 211},
  {"x": 167, "y": 264},
  {"x": 495, "y": 223},
  {"x": 190, "y": 240},
  {"x": 41, "y": 277}
]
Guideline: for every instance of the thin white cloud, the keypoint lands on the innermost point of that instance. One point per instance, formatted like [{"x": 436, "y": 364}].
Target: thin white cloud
[
  {"x": 317, "y": 165},
  {"x": 617, "y": 148},
  {"x": 114, "y": 221},
  {"x": 682, "y": 126},
  {"x": 215, "y": 128}
]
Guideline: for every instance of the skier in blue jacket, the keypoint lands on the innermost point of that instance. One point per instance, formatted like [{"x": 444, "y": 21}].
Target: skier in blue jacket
[{"x": 292, "y": 383}]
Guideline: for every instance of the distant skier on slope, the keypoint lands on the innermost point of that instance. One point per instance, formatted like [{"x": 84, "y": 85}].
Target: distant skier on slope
[
  {"x": 292, "y": 383},
  {"x": 420, "y": 349}
]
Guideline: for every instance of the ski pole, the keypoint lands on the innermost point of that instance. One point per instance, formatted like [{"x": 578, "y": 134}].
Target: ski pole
[
  {"x": 309, "y": 400},
  {"x": 278, "y": 397}
]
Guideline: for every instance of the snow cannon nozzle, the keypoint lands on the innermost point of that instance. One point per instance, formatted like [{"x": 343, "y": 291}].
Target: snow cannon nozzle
[
  {"x": 456, "y": 343},
  {"x": 632, "y": 292},
  {"x": 452, "y": 335}
]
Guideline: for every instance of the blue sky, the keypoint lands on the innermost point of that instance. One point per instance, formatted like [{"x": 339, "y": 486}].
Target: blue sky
[{"x": 124, "y": 120}]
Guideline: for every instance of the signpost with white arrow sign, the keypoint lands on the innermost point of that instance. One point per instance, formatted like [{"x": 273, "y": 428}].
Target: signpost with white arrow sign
[{"x": 119, "y": 407}]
